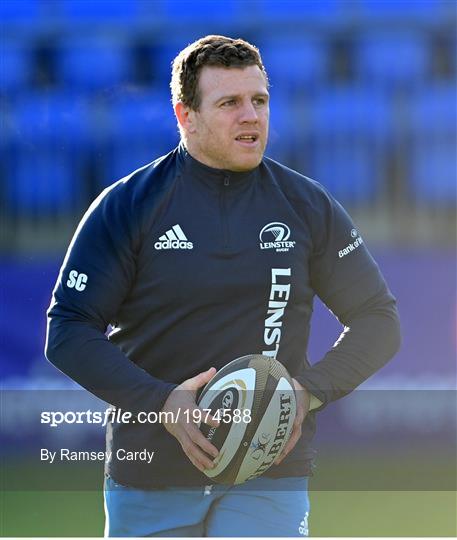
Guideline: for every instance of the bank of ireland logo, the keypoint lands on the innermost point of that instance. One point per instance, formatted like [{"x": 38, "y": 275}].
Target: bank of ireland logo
[{"x": 275, "y": 235}]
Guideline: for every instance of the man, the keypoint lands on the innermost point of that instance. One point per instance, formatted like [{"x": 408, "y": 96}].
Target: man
[{"x": 180, "y": 258}]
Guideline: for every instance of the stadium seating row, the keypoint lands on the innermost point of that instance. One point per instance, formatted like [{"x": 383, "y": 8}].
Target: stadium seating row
[
  {"x": 356, "y": 85},
  {"x": 344, "y": 138},
  {"x": 389, "y": 59},
  {"x": 325, "y": 12}
]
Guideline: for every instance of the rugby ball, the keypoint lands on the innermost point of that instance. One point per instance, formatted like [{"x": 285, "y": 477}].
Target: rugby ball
[{"x": 254, "y": 400}]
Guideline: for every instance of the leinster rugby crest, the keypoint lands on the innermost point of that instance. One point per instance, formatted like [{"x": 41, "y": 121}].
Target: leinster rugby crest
[{"x": 275, "y": 235}]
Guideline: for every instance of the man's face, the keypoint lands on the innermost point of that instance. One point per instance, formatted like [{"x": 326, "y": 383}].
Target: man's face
[{"x": 230, "y": 129}]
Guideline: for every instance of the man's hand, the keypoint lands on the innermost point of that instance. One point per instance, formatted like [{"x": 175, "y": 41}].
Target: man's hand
[
  {"x": 193, "y": 442},
  {"x": 302, "y": 398}
]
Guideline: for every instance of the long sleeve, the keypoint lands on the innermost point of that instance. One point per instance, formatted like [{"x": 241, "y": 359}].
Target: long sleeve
[
  {"x": 347, "y": 279},
  {"x": 95, "y": 277}
]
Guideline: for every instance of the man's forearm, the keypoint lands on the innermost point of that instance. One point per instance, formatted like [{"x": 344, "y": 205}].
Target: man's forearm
[
  {"x": 368, "y": 342},
  {"x": 85, "y": 354}
]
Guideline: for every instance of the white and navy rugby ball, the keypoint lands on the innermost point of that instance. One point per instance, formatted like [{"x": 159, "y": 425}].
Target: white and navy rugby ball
[{"x": 256, "y": 398}]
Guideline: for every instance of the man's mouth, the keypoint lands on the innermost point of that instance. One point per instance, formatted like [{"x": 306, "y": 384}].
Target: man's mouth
[{"x": 247, "y": 138}]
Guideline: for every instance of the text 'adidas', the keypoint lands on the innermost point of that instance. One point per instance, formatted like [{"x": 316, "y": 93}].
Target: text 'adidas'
[{"x": 174, "y": 238}]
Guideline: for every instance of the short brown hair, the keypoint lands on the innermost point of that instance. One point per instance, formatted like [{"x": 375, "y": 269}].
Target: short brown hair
[{"x": 218, "y": 51}]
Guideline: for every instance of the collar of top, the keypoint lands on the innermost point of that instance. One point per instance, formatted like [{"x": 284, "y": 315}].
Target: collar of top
[{"x": 215, "y": 176}]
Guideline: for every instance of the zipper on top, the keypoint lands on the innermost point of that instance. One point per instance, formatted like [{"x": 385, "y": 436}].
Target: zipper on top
[{"x": 224, "y": 219}]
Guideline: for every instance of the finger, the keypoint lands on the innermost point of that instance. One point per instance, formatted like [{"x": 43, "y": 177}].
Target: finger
[
  {"x": 198, "y": 458},
  {"x": 204, "y": 416},
  {"x": 202, "y": 464},
  {"x": 298, "y": 421},
  {"x": 209, "y": 420},
  {"x": 196, "y": 416},
  {"x": 286, "y": 451},
  {"x": 197, "y": 438},
  {"x": 196, "y": 462},
  {"x": 296, "y": 433},
  {"x": 200, "y": 380},
  {"x": 282, "y": 455}
]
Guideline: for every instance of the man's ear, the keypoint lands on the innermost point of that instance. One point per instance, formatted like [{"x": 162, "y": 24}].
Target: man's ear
[{"x": 185, "y": 116}]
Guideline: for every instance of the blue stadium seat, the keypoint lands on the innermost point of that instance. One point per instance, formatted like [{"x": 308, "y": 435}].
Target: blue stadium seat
[
  {"x": 349, "y": 130},
  {"x": 286, "y": 134},
  {"x": 433, "y": 122},
  {"x": 100, "y": 10},
  {"x": 226, "y": 13},
  {"x": 93, "y": 63},
  {"x": 295, "y": 62},
  {"x": 162, "y": 54},
  {"x": 392, "y": 59},
  {"x": 322, "y": 12},
  {"x": 454, "y": 54},
  {"x": 411, "y": 11},
  {"x": 16, "y": 65},
  {"x": 142, "y": 128},
  {"x": 24, "y": 11},
  {"x": 51, "y": 134}
]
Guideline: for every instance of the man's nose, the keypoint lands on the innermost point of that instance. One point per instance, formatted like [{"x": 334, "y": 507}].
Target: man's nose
[{"x": 248, "y": 113}]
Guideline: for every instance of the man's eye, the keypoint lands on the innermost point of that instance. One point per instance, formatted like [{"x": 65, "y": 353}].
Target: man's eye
[
  {"x": 228, "y": 103},
  {"x": 260, "y": 101}
]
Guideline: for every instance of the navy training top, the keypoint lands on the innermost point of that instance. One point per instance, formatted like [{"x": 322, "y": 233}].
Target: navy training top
[{"x": 193, "y": 267}]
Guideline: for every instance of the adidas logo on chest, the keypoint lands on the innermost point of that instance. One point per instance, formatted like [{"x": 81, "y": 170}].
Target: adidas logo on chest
[{"x": 174, "y": 238}]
